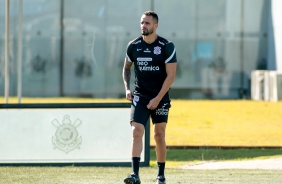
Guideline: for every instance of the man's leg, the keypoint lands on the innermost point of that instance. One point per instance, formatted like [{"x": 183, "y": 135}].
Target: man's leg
[
  {"x": 136, "y": 149},
  {"x": 137, "y": 145},
  {"x": 159, "y": 136}
]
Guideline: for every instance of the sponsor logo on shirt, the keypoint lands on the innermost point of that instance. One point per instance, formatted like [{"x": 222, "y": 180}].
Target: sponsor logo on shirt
[
  {"x": 144, "y": 59},
  {"x": 149, "y": 68},
  {"x": 144, "y": 64},
  {"x": 147, "y": 50}
]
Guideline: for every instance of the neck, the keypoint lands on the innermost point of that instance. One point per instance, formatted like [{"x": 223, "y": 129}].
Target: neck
[{"x": 150, "y": 38}]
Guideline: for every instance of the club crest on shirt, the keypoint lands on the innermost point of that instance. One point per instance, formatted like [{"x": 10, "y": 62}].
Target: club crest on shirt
[{"x": 157, "y": 50}]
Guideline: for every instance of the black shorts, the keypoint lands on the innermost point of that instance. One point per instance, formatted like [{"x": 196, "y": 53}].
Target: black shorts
[{"x": 140, "y": 113}]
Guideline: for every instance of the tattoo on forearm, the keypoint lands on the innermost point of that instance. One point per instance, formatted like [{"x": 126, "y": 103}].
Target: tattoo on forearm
[{"x": 127, "y": 74}]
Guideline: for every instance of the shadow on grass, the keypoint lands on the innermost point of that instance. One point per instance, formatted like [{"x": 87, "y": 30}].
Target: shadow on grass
[{"x": 217, "y": 154}]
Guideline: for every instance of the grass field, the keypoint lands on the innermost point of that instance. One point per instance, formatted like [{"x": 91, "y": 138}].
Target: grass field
[
  {"x": 201, "y": 123},
  {"x": 235, "y": 123},
  {"x": 206, "y": 123},
  {"x": 175, "y": 175},
  {"x": 106, "y": 175}
]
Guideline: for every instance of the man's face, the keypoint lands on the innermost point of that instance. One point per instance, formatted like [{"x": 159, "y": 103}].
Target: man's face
[{"x": 148, "y": 26}]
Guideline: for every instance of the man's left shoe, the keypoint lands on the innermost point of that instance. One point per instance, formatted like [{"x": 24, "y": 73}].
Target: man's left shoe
[{"x": 161, "y": 180}]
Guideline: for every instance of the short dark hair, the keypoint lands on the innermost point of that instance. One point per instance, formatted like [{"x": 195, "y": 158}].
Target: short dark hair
[{"x": 153, "y": 14}]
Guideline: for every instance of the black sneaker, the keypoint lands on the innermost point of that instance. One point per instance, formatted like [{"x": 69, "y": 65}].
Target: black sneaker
[
  {"x": 132, "y": 179},
  {"x": 161, "y": 180}
]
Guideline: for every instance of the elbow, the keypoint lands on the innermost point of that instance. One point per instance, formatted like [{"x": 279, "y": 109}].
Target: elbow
[{"x": 171, "y": 78}]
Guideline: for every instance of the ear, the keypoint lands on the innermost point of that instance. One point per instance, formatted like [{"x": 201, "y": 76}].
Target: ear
[{"x": 156, "y": 26}]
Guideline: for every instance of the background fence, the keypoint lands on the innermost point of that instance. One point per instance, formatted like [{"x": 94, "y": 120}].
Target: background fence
[{"x": 77, "y": 48}]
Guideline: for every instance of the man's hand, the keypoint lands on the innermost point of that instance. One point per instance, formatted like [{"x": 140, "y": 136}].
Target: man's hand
[
  {"x": 153, "y": 103},
  {"x": 128, "y": 95}
]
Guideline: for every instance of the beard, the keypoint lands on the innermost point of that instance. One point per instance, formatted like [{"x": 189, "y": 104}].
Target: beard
[{"x": 147, "y": 32}]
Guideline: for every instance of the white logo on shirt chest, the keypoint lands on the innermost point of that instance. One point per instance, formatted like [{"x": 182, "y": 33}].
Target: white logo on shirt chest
[{"x": 157, "y": 50}]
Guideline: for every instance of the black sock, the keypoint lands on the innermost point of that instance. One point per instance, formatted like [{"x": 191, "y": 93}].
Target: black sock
[
  {"x": 135, "y": 165},
  {"x": 161, "y": 168}
]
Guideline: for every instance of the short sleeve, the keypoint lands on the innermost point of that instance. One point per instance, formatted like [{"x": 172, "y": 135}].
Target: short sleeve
[
  {"x": 129, "y": 52},
  {"x": 170, "y": 53}
]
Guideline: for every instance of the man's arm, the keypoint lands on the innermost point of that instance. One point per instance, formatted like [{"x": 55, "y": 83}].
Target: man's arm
[
  {"x": 170, "y": 71},
  {"x": 126, "y": 74}
]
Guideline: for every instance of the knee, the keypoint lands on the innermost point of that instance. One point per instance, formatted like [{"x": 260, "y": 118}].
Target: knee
[
  {"x": 137, "y": 133},
  {"x": 159, "y": 137}
]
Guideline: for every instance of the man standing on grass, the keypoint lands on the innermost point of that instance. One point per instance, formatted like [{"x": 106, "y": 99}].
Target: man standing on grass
[{"x": 154, "y": 59}]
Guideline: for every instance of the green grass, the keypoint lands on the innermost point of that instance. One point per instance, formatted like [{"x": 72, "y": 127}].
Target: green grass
[
  {"x": 206, "y": 123},
  {"x": 202, "y": 123},
  {"x": 115, "y": 175},
  {"x": 180, "y": 157},
  {"x": 175, "y": 175},
  {"x": 231, "y": 123}
]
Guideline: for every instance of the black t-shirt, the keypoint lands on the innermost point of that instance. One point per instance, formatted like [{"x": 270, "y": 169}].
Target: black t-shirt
[{"x": 149, "y": 64}]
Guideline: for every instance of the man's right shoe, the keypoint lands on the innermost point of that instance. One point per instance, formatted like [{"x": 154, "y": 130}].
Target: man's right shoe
[
  {"x": 132, "y": 179},
  {"x": 161, "y": 180}
]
